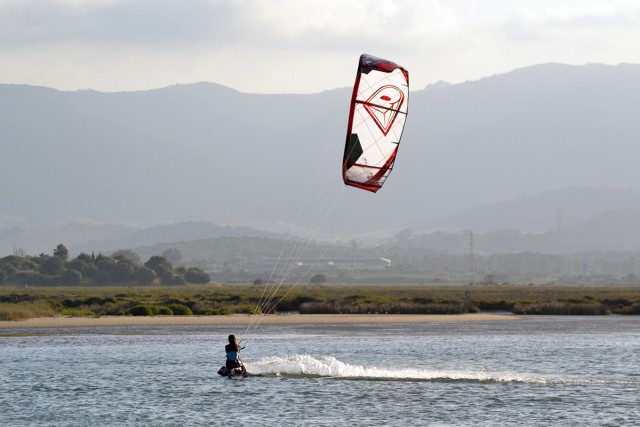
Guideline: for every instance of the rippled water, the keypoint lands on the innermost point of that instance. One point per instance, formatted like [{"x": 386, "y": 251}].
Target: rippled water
[{"x": 536, "y": 371}]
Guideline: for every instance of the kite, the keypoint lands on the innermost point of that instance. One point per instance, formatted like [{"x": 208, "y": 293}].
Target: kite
[{"x": 379, "y": 107}]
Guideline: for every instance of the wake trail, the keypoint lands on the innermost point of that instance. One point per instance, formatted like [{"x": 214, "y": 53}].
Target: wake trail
[{"x": 306, "y": 366}]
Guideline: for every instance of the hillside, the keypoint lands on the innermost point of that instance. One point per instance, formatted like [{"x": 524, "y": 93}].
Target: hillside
[
  {"x": 540, "y": 212},
  {"x": 207, "y": 153}
]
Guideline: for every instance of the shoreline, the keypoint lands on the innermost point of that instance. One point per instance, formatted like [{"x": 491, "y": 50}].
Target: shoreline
[{"x": 244, "y": 319}]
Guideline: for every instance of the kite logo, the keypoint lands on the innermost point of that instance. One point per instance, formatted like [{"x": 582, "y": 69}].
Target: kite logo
[{"x": 383, "y": 106}]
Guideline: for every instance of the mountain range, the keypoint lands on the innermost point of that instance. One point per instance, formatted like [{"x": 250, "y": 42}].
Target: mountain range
[{"x": 536, "y": 149}]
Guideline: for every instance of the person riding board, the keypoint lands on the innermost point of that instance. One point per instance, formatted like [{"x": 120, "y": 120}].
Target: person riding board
[{"x": 233, "y": 357}]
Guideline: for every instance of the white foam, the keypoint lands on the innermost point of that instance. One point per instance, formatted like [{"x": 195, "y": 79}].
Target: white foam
[{"x": 328, "y": 366}]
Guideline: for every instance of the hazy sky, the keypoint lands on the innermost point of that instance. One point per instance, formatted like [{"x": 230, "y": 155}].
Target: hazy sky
[{"x": 300, "y": 46}]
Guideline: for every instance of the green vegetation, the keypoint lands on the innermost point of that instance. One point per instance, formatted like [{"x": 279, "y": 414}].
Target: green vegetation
[
  {"x": 141, "y": 310},
  {"x": 412, "y": 258},
  {"x": 317, "y": 279},
  {"x": 20, "y": 302},
  {"x": 165, "y": 311},
  {"x": 25, "y": 310},
  {"x": 180, "y": 310},
  {"x": 122, "y": 268}
]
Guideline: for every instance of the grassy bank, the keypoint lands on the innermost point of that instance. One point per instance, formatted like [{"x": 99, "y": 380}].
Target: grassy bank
[
  {"x": 19, "y": 303},
  {"x": 25, "y": 310}
]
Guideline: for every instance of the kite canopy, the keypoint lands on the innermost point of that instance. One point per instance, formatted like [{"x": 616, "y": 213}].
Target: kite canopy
[{"x": 376, "y": 119}]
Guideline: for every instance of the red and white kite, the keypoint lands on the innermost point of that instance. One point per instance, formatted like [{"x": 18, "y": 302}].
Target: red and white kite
[{"x": 376, "y": 120}]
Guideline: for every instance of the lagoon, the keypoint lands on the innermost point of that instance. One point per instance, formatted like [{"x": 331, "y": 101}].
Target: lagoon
[{"x": 534, "y": 371}]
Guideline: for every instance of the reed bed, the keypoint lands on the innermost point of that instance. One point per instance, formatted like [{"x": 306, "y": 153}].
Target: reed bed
[
  {"x": 219, "y": 299},
  {"x": 26, "y": 310}
]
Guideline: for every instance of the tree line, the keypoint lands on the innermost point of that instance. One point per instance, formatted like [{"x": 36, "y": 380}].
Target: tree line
[{"x": 122, "y": 267}]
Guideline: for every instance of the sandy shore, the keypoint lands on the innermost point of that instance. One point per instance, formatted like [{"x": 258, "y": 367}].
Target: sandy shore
[{"x": 241, "y": 319}]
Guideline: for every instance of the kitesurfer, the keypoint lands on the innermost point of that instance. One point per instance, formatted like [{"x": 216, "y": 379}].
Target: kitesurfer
[{"x": 233, "y": 357}]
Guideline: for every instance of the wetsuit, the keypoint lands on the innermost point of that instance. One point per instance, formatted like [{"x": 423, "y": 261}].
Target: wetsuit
[{"x": 233, "y": 357}]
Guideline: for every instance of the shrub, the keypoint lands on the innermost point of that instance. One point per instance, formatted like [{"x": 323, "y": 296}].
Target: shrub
[
  {"x": 141, "y": 310},
  {"x": 9, "y": 270},
  {"x": 32, "y": 278},
  {"x": 72, "y": 277},
  {"x": 167, "y": 278},
  {"x": 558, "y": 308},
  {"x": 156, "y": 261},
  {"x": 180, "y": 310},
  {"x": 338, "y": 307},
  {"x": 493, "y": 305},
  {"x": 105, "y": 264},
  {"x": 72, "y": 302},
  {"x": 245, "y": 308},
  {"x": 78, "y": 312},
  {"x": 169, "y": 301},
  {"x": 179, "y": 280},
  {"x": 196, "y": 275},
  {"x": 98, "y": 300},
  {"x": 145, "y": 275},
  {"x": 114, "y": 309},
  {"x": 631, "y": 309},
  {"x": 166, "y": 311},
  {"x": 214, "y": 311},
  {"x": 123, "y": 272},
  {"x": 317, "y": 279}
]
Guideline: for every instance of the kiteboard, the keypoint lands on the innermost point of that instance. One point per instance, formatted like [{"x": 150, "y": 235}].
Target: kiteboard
[{"x": 235, "y": 373}]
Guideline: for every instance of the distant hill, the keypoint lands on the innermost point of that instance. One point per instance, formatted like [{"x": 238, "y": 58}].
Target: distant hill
[
  {"x": 206, "y": 153},
  {"x": 108, "y": 238},
  {"x": 221, "y": 249},
  {"x": 612, "y": 231},
  {"x": 44, "y": 238},
  {"x": 615, "y": 230},
  {"x": 540, "y": 212}
]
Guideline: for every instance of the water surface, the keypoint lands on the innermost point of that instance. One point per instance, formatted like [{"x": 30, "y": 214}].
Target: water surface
[{"x": 536, "y": 371}]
